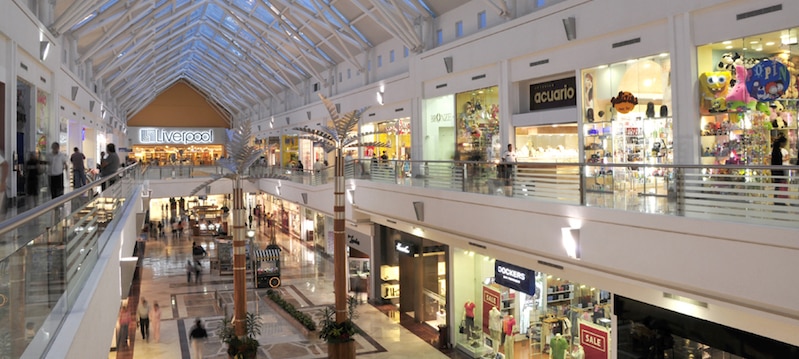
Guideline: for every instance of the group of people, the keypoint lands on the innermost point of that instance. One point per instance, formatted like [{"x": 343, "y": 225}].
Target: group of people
[
  {"x": 56, "y": 162},
  {"x": 146, "y": 317}
]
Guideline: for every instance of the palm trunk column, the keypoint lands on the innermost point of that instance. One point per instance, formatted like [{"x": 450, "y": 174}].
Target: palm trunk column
[
  {"x": 239, "y": 258},
  {"x": 339, "y": 248}
]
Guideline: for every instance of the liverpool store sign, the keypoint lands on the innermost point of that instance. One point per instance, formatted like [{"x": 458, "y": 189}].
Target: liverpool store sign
[
  {"x": 177, "y": 136},
  {"x": 160, "y": 135}
]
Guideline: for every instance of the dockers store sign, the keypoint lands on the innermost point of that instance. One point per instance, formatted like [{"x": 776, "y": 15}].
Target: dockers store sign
[
  {"x": 176, "y": 136},
  {"x": 515, "y": 277}
]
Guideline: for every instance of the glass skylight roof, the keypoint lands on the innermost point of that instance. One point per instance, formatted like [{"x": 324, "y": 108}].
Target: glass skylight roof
[{"x": 264, "y": 46}]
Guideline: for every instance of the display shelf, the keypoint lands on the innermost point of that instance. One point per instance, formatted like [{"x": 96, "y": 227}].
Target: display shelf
[
  {"x": 389, "y": 273},
  {"x": 389, "y": 291}
]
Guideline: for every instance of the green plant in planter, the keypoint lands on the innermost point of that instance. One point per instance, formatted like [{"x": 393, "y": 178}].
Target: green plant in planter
[
  {"x": 333, "y": 332},
  {"x": 245, "y": 347},
  {"x": 301, "y": 317}
]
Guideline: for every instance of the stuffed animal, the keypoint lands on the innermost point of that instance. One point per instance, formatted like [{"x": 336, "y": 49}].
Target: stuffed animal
[
  {"x": 727, "y": 63},
  {"x": 713, "y": 88},
  {"x": 792, "y": 91},
  {"x": 738, "y": 98}
]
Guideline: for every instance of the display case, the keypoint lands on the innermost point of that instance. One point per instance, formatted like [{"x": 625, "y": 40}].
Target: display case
[
  {"x": 547, "y": 143},
  {"x": 389, "y": 288}
]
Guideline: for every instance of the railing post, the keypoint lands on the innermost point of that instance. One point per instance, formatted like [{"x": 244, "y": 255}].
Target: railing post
[
  {"x": 581, "y": 184},
  {"x": 679, "y": 190},
  {"x": 426, "y": 174}
]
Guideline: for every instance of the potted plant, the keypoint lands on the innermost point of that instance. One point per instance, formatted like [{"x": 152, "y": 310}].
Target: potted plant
[
  {"x": 245, "y": 347},
  {"x": 339, "y": 336}
]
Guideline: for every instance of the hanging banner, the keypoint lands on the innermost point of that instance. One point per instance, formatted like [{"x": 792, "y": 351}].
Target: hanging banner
[
  {"x": 514, "y": 277},
  {"x": 594, "y": 339},
  {"x": 491, "y": 299}
]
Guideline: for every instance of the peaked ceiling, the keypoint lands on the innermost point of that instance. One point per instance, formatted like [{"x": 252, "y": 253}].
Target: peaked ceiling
[{"x": 236, "y": 52}]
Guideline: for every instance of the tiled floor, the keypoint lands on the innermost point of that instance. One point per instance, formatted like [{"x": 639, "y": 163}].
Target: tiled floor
[{"x": 306, "y": 282}]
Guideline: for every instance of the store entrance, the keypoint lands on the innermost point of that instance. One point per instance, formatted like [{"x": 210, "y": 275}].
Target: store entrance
[{"x": 175, "y": 155}]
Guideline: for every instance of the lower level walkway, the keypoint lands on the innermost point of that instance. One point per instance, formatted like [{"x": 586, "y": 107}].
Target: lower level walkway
[{"x": 307, "y": 280}]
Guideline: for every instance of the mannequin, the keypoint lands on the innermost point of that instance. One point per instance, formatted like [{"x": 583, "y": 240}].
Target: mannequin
[
  {"x": 558, "y": 346},
  {"x": 507, "y": 333},
  {"x": 577, "y": 351},
  {"x": 495, "y": 326},
  {"x": 469, "y": 314}
]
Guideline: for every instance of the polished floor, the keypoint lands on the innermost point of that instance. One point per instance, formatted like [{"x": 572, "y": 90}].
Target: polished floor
[{"x": 307, "y": 281}]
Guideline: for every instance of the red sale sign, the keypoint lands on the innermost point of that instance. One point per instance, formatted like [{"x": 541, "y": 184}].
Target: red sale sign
[
  {"x": 594, "y": 340},
  {"x": 490, "y": 300}
]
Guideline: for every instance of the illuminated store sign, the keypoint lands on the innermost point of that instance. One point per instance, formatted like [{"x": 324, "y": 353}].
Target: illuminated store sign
[
  {"x": 406, "y": 248},
  {"x": 166, "y": 136},
  {"x": 511, "y": 276},
  {"x": 553, "y": 94}
]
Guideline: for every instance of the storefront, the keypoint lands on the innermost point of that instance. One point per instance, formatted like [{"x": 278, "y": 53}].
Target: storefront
[
  {"x": 413, "y": 275},
  {"x": 463, "y": 127},
  {"x": 395, "y": 133},
  {"x": 522, "y": 313},
  {"x": 359, "y": 246},
  {"x": 627, "y": 119},
  {"x": 748, "y": 97},
  {"x": 177, "y": 146}
]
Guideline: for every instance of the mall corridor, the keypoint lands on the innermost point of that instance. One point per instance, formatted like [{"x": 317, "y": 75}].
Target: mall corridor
[{"x": 307, "y": 281}]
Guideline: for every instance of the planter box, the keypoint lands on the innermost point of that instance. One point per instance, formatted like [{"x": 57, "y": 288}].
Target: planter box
[
  {"x": 344, "y": 350},
  {"x": 279, "y": 310}
]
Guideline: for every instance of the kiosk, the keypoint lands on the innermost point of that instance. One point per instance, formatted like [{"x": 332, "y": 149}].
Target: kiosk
[{"x": 266, "y": 267}]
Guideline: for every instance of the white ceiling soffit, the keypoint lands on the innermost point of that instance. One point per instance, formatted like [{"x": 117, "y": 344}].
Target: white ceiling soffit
[{"x": 237, "y": 53}]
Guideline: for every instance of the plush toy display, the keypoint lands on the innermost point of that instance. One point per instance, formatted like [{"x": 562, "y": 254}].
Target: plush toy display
[
  {"x": 791, "y": 91},
  {"x": 624, "y": 102},
  {"x": 713, "y": 90},
  {"x": 738, "y": 98}
]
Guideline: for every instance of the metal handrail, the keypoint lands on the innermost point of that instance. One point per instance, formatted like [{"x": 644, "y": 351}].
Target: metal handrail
[{"x": 23, "y": 218}]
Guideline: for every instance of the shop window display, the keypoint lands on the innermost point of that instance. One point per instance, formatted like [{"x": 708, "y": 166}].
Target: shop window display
[
  {"x": 748, "y": 98},
  {"x": 477, "y": 125},
  {"x": 627, "y": 113},
  {"x": 547, "y": 143}
]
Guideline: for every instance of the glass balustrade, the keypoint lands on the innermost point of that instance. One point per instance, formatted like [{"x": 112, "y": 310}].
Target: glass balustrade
[{"x": 46, "y": 255}]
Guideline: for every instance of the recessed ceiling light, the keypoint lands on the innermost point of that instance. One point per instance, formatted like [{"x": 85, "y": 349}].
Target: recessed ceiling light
[
  {"x": 728, "y": 47},
  {"x": 770, "y": 43},
  {"x": 727, "y": 42},
  {"x": 754, "y": 41}
]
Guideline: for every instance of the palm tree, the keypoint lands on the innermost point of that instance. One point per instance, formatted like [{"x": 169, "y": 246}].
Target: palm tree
[
  {"x": 241, "y": 155},
  {"x": 339, "y": 137}
]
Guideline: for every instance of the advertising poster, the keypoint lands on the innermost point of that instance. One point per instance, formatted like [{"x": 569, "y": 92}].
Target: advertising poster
[
  {"x": 490, "y": 300},
  {"x": 594, "y": 339}
]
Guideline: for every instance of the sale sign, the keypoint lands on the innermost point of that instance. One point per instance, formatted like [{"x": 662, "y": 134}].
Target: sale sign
[
  {"x": 594, "y": 340},
  {"x": 490, "y": 300}
]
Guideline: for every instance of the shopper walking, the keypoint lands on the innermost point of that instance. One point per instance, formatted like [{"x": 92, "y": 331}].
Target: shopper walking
[
  {"x": 155, "y": 322},
  {"x": 144, "y": 319},
  {"x": 32, "y": 174},
  {"x": 78, "y": 169},
  {"x": 124, "y": 325},
  {"x": 57, "y": 161},
  {"x": 189, "y": 270},
  {"x": 198, "y": 336}
]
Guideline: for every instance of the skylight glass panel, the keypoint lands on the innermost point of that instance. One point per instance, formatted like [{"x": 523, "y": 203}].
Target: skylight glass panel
[
  {"x": 84, "y": 21},
  {"x": 424, "y": 5},
  {"x": 201, "y": 46},
  {"x": 236, "y": 52},
  {"x": 195, "y": 15},
  {"x": 165, "y": 11},
  {"x": 308, "y": 4},
  {"x": 191, "y": 31},
  {"x": 333, "y": 19},
  {"x": 180, "y": 3},
  {"x": 231, "y": 23},
  {"x": 214, "y": 12},
  {"x": 159, "y": 3},
  {"x": 247, "y": 36},
  {"x": 207, "y": 31},
  {"x": 179, "y": 25},
  {"x": 246, "y": 5},
  {"x": 221, "y": 41},
  {"x": 264, "y": 15},
  {"x": 107, "y": 5}
]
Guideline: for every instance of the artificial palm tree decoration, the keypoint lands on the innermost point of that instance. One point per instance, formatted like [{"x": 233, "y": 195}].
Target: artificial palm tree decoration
[
  {"x": 241, "y": 154},
  {"x": 338, "y": 137}
]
